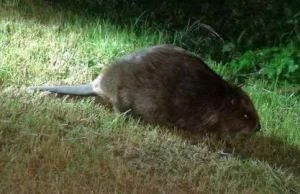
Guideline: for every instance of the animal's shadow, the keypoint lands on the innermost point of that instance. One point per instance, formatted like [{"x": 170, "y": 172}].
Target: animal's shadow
[{"x": 272, "y": 151}]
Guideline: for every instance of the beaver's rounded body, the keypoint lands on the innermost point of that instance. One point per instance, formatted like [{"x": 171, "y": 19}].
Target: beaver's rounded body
[{"x": 168, "y": 85}]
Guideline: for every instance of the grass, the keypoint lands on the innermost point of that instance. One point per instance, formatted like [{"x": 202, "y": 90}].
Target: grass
[{"x": 63, "y": 145}]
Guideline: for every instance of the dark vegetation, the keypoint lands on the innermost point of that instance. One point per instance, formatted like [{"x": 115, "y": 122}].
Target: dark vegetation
[{"x": 232, "y": 32}]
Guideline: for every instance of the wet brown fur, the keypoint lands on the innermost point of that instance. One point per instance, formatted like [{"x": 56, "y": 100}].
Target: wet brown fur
[{"x": 167, "y": 85}]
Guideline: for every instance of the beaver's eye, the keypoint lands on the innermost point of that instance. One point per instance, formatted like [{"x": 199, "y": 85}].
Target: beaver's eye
[{"x": 245, "y": 116}]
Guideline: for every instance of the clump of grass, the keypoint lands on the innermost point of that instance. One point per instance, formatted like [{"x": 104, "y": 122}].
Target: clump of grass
[
  {"x": 51, "y": 145},
  {"x": 272, "y": 23},
  {"x": 66, "y": 45}
]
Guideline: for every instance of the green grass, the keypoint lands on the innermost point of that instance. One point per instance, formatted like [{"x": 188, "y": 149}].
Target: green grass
[{"x": 62, "y": 145}]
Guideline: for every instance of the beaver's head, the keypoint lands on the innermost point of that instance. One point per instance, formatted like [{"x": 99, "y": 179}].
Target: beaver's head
[{"x": 239, "y": 114}]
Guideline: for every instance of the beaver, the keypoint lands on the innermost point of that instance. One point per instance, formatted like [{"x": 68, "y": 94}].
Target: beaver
[{"x": 168, "y": 85}]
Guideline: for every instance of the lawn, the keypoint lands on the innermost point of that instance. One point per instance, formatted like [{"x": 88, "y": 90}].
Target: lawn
[{"x": 74, "y": 145}]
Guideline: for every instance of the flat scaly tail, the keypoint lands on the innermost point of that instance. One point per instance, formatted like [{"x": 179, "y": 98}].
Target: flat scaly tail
[{"x": 76, "y": 90}]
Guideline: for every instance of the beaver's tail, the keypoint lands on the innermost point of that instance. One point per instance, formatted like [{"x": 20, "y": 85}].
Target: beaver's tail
[{"x": 76, "y": 90}]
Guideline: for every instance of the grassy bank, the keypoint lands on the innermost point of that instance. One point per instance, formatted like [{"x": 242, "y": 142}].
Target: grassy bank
[{"x": 59, "y": 145}]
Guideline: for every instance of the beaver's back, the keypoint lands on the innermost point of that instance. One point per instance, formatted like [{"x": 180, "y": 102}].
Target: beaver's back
[{"x": 151, "y": 82}]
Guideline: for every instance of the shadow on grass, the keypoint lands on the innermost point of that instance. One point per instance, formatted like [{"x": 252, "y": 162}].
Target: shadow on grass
[{"x": 272, "y": 151}]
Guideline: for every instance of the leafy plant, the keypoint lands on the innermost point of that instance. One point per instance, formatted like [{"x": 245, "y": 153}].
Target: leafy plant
[{"x": 281, "y": 63}]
